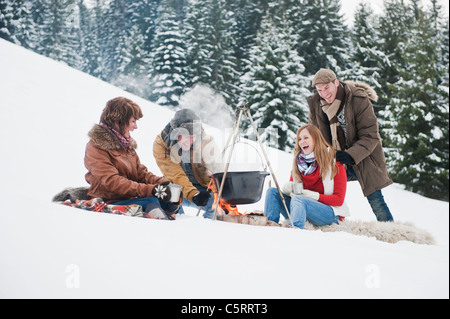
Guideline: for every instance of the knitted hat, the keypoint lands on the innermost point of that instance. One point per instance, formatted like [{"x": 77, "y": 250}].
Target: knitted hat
[
  {"x": 323, "y": 76},
  {"x": 183, "y": 116},
  {"x": 185, "y": 122}
]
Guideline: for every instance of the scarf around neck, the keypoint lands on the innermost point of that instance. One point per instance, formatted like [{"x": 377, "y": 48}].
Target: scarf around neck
[
  {"x": 331, "y": 110},
  {"x": 123, "y": 141},
  {"x": 306, "y": 164}
]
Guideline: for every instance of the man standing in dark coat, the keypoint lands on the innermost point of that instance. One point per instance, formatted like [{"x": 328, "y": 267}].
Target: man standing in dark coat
[{"x": 345, "y": 116}]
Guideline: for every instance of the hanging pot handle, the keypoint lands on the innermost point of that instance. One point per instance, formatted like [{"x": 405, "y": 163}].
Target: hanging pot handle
[{"x": 259, "y": 155}]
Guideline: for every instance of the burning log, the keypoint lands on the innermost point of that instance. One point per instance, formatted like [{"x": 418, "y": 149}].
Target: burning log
[
  {"x": 230, "y": 213},
  {"x": 257, "y": 220},
  {"x": 223, "y": 207}
]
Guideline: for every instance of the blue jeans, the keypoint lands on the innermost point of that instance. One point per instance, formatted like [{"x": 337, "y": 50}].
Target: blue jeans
[
  {"x": 144, "y": 201},
  {"x": 301, "y": 209},
  {"x": 376, "y": 200},
  {"x": 209, "y": 212}
]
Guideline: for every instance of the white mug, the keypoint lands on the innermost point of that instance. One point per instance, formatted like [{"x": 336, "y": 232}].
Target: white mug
[
  {"x": 297, "y": 188},
  {"x": 175, "y": 190}
]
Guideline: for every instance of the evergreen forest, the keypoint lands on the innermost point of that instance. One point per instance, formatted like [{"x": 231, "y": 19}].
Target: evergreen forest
[{"x": 264, "y": 53}]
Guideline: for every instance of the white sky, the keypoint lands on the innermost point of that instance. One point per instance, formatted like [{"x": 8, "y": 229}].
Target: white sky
[{"x": 349, "y": 6}]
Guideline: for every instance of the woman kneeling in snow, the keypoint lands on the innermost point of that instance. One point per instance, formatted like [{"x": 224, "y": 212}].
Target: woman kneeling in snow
[
  {"x": 318, "y": 184},
  {"x": 115, "y": 172}
]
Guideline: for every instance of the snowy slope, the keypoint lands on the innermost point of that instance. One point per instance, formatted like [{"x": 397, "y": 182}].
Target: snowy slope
[{"x": 52, "y": 251}]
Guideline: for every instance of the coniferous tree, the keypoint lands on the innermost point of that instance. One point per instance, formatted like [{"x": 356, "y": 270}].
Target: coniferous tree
[
  {"x": 113, "y": 31},
  {"x": 144, "y": 14},
  {"x": 9, "y": 19},
  {"x": 420, "y": 159},
  {"x": 392, "y": 30},
  {"x": 74, "y": 35},
  {"x": 210, "y": 34},
  {"x": 6, "y": 20},
  {"x": 199, "y": 47},
  {"x": 169, "y": 60},
  {"x": 56, "y": 32},
  {"x": 248, "y": 16},
  {"x": 51, "y": 30},
  {"x": 323, "y": 35},
  {"x": 88, "y": 41},
  {"x": 224, "y": 75},
  {"x": 16, "y": 23},
  {"x": 133, "y": 71},
  {"x": 273, "y": 86},
  {"x": 365, "y": 57},
  {"x": 98, "y": 67}
]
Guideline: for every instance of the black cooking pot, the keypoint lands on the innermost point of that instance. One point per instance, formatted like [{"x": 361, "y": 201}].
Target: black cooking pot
[{"x": 241, "y": 187}]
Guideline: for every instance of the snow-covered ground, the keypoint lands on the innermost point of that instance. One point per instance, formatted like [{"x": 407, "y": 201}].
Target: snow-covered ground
[{"x": 48, "y": 250}]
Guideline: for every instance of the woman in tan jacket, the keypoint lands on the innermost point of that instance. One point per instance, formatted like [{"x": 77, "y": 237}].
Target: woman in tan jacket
[{"x": 115, "y": 172}]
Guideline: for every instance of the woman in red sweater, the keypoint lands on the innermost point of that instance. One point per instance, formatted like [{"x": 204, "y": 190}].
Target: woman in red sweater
[{"x": 316, "y": 191}]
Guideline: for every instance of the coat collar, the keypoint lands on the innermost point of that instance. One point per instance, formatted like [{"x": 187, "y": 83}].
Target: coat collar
[
  {"x": 359, "y": 89},
  {"x": 104, "y": 139}
]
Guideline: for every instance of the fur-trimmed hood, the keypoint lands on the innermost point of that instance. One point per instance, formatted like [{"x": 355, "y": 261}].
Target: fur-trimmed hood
[
  {"x": 363, "y": 89},
  {"x": 104, "y": 139}
]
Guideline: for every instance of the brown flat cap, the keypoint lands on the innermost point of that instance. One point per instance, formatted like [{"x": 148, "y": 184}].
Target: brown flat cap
[{"x": 323, "y": 76}]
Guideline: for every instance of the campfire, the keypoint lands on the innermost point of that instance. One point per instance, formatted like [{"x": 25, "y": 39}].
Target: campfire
[{"x": 223, "y": 208}]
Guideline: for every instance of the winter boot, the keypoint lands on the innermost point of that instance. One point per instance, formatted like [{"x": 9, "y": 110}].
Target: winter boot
[{"x": 153, "y": 210}]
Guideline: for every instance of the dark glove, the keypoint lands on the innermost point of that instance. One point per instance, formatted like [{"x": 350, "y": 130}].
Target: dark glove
[
  {"x": 162, "y": 191},
  {"x": 344, "y": 157},
  {"x": 201, "y": 199}
]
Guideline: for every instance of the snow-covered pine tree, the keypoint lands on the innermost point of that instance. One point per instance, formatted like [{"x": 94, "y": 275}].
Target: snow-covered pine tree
[
  {"x": 9, "y": 20},
  {"x": 211, "y": 34},
  {"x": 74, "y": 34},
  {"x": 421, "y": 157},
  {"x": 224, "y": 73},
  {"x": 323, "y": 35},
  {"x": 6, "y": 17},
  {"x": 274, "y": 86},
  {"x": 392, "y": 30},
  {"x": 133, "y": 73},
  {"x": 100, "y": 34},
  {"x": 144, "y": 14},
  {"x": 88, "y": 41},
  {"x": 248, "y": 16},
  {"x": 365, "y": 57},
  {"x": 113, "y": 32},
  {"x": 16, "y": 23},
  {"x": 199, "y": 47},
  {"x": 56, "y": 32},
  {"x": 169, "y": 59}
]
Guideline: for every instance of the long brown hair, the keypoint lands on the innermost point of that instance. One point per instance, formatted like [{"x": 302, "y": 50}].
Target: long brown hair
[
  {"x": 119, "y": 111},
  {"x": 323, "y": 152}
]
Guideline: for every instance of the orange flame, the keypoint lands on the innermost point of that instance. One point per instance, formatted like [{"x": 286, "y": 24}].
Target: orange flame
[{"x": 223, "y": 207}]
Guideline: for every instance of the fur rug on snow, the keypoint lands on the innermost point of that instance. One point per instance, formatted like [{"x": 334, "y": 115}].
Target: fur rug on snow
[
  {"x": 390, "y": 232},
  {"x": 72, "y": 193}
]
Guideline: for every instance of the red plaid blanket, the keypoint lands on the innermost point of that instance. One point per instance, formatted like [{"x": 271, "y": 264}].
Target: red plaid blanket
[{"x": 98, "y": 205}]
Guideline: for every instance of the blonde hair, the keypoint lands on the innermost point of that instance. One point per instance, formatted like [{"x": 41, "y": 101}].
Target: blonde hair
[{"x": 323, "y": 152}]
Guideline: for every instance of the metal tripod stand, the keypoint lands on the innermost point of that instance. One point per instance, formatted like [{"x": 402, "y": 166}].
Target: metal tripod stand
[{"x": 244, "y": 111}]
